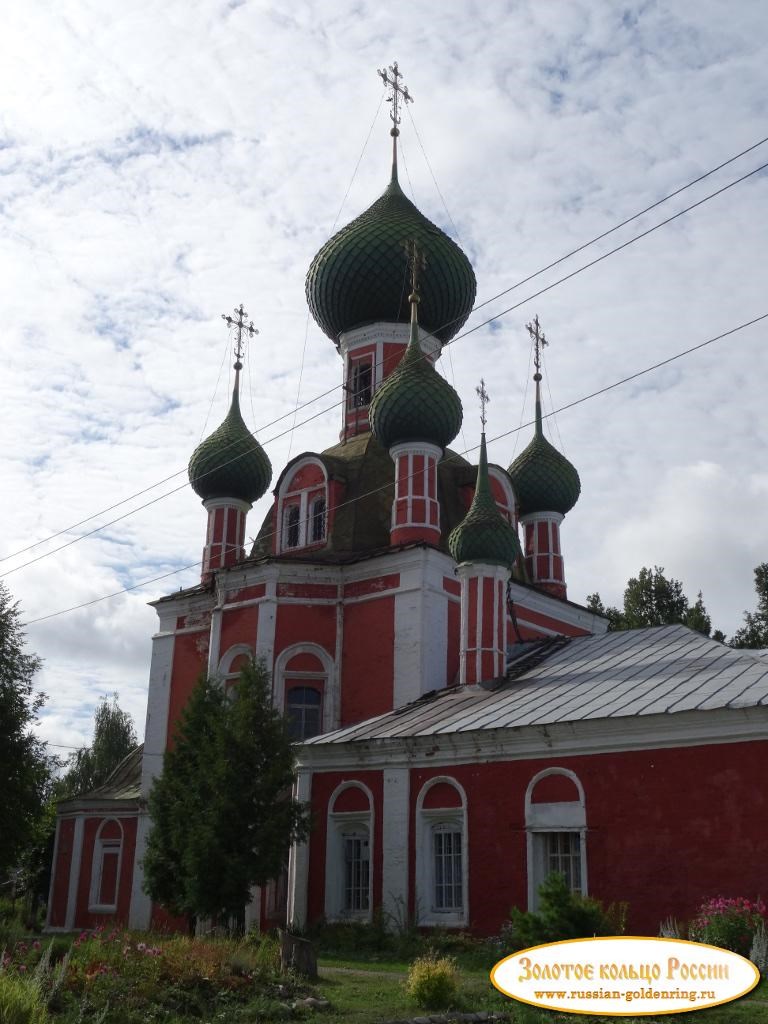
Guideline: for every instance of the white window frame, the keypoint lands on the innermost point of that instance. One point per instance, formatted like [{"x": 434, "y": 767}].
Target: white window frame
[
  {"x": 301, "y": 499},
  {"x": 100, "y": 848},
  {"x": 310, "y": 683},
  {"x": 546, "y": 818},
  {"x": 323, "y": 680},
  {"x": 342, "y": 824},
  {"x": 428, "y": 821}
]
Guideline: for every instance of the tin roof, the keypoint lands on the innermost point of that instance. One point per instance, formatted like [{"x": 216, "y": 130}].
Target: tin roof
[
  {"x": 663, "y": 670},
  {"x": 124, "y": 783}
]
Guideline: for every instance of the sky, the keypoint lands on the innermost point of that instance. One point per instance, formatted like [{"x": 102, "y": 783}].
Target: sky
[{"x": 160, "y": 163}]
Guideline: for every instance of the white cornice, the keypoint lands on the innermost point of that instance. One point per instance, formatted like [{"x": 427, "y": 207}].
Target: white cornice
[{"x": 544, "y": 604}]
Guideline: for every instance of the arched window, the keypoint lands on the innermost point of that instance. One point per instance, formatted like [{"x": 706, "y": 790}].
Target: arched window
[
  {"x": 105, "y": 868},
  {"x": 303, "y": 505},
  {"x": 302, "y": 690},
  {"x": 501, "y": 488},
  {"x": 556, "y": 825},
  {"x": 360, "y": 382},
  {"x": 232, "y": 663},
  {"x": 441, "y": 853},
  {"x": 349, "y": 844}
]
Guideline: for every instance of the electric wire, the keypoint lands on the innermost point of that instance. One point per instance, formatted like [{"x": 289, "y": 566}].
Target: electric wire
[
  {"x": 375, "y": 490},
  {"x": 459, "y": 337}
]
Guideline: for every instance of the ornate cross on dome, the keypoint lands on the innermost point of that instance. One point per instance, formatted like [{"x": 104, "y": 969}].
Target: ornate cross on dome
[
  {"x": 238, "y": 321},
  {"x": 416, "y": 261},
  {"x": 397, "y": 91},
  {"x": 485, "y": 398},
  {"x": 539, "y": 342}
]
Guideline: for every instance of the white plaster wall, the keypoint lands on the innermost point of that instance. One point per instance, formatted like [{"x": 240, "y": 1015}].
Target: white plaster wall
[{"x": 394, "y": 874}]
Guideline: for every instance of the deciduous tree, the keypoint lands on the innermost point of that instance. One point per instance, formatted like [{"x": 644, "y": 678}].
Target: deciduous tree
[
  {"x": 650, "y": 599},
  {"x": 754, "y": 632},
  {"x": 114, "y": 737}
]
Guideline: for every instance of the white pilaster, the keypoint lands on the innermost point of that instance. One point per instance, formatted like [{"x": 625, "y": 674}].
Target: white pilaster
[
  {"x": 394, "y": 871},
  {"x": 298, "y": 861},
  {"x": 74, "y": 873},
  {"x": 140, "y": 912}
]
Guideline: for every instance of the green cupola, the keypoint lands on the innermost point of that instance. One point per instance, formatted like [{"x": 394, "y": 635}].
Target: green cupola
[
  {"x": 357, "y": 278},
  {"x": 484, "y": 535},
  {"x": 543, "y": 479},
  {"x": 415, "y": 403}
]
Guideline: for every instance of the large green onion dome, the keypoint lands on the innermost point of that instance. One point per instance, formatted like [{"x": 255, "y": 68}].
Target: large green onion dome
[
  {"x": 415, "y": 403},
  {"x": 484, "y": 535},
  {"x": 358, "y": 277},
  {"x": 542, "y": 478},
  {"x": 230, "y": 463}
]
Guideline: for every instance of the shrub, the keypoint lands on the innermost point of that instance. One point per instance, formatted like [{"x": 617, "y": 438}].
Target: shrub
[
  {"x": 758, "y": 953},
  {"x": 562, "y": 915},
  {"x": 433, "y": 982},
  {"x": 728, "y": 922},
  {"x": 20, "y": 1001}
]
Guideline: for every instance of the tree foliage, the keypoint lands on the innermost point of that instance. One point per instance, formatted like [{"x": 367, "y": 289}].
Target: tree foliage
[
  {"x": 114, "y": 737},
  {"x": 222, "y": 814},
  {"x": 650, "y": 599},
  {"x": 25, "y": 768},
  {"x": 754, "y": 632}
]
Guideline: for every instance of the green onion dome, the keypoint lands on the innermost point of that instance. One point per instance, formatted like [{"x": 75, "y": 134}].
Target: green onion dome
[
  {"x": 230, "y": 463},
  {"x": 484, "y": 535},
  {"x": 358, "y": 277},
  {"x": 542, "y": 478},
  {"x": 415, "y": 403}
]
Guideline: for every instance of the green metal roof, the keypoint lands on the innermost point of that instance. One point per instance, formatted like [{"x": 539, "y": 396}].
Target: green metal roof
[
  {"x": 484, "y": 535},
  {"x": 359, "y": 275},
  {"x": 415, "y": 403},
  {"x": 230, "y": 463},
  {"x": 543, "y": 479}
]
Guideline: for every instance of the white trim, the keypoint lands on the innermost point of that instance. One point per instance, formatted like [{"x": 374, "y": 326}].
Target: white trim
[
  {"x": 384, "y": 332},
  {"x": 502, "y": 477},
  {"x": 223, "y": 669},
  {"x": 556, "y": 816},
  {"x": 541, "y": 603},
  {"x": 394, "y": 861},
  {"x": 100, "y": 848},
  {"x": 54, "y": 872},
  {"x": 298, "y": 861},
  {"x": 140, "y": 912},
  {"x": 336, "y": 821},
  {"x": 326, "y": 676},
  {"x": 426, "y": 821},
  {"x": 285, "y": 496},
  {"x": 74, "y": 873}
]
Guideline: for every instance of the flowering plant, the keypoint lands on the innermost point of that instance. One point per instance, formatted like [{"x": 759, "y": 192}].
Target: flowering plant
[{"x": 728, "y": 922}]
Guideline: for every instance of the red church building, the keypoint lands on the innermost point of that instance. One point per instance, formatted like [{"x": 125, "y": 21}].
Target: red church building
[{"x": 462, "y": 728}]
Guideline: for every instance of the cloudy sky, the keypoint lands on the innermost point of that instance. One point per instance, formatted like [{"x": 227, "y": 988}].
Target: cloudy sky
[{"x": 162, "y": 162}]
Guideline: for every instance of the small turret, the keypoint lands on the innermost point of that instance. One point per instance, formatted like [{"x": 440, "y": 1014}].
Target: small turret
[{"x": 229, "y": 470}]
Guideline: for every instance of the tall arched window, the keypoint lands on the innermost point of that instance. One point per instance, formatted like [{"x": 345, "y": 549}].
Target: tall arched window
[
  {"x": 441, "y": 853},
  {"x": 235, "y": 659},
  {"x": 302, "y": 690},
  {"x": 349, "y": 852},
  {"x": 105, "y": 868},
  {"x": 556, "y": 826},
  {"x": 304, "y": 711}
]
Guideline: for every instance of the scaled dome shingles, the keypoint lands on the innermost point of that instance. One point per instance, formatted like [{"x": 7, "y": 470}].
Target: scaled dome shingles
[
  {"x": 543, "y": 479},
  {"x": 230, "y": 463},
  {"x": 360, "y": 276}
]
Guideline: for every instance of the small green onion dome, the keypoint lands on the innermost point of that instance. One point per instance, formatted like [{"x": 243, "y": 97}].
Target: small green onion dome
[
  {"x": 484, "y": 535},
  {"x": 415, "y": 403},
  {"x": 542, "y": 478},
  {"x": 230, "y": 463},
  {"x": 358, "y": 277}
]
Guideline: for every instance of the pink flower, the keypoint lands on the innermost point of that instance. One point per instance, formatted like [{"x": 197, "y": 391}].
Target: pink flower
[
  {"x": 35, "y": 944},
  {"x": 22, "y": 968}
]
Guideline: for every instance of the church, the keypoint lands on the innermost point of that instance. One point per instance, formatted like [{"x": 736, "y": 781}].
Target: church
[{"x": 462, "y": 728}]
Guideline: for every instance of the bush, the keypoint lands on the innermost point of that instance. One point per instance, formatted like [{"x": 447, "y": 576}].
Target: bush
[
  {"x": 433, "y": 982},
  {"x": 728, "y": 923},
  {"x": 20, "y": 1001},
  {"x": 562, "y": 915}
]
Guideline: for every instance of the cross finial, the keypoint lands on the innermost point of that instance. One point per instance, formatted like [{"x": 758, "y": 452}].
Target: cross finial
[
  {"x": 539, "y": 342},
  {"x": 238, "y": 321},
  {"x": 396, "y": 91},
  {"x": 416, "y": 261},
  {"x": 485, "y": 398}
]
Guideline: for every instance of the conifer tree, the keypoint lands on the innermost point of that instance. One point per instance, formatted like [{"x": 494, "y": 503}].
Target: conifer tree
[
  {"x": 754, "y": 632},
  {"x": 222, "y": 814}
]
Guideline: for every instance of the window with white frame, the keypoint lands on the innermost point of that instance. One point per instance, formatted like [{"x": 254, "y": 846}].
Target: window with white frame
[
  {"x": 556, "y": 824},
  {"x": 441, "y": 854},
  {"x": 304, "y": 711},
  {"x": 303, "y": 506},
  {"x": 105, "y": 868},
  {"x": 349, "y": 844},
  {"x": 360, "y": 382}
]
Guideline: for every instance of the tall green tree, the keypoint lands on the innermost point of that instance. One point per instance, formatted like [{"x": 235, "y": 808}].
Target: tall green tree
[
  {"x": 25, "y": 767},
  {"x": 754, "y": 632},
  {"x": 650, "y": 599},
  {"x": 114, "y": 737},
  {"x": 222, "y": 813}
]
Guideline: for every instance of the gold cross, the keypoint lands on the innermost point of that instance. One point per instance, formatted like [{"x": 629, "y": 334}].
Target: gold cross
[
  {"x": 238, "y": 321},
  {"x": 397, "y": 91},
  {"x": 484, "y": 400},
  {"x": 539, "y": 341}
]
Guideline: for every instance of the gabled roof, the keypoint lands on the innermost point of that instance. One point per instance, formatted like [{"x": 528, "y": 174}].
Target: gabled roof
[{"x": 664, "y": 670}]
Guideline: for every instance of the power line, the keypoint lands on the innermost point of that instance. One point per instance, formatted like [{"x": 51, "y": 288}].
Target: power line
[
  {"x": 497, "y": 437},
  {"x": 459, "y": 337}
]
